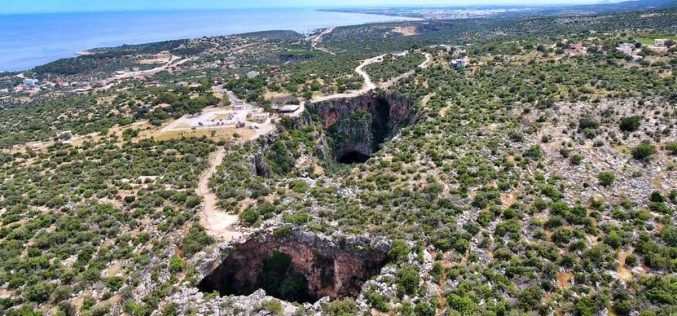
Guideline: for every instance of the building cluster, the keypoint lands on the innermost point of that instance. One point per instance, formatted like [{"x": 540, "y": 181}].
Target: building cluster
[{"x": 659, "y": 44}]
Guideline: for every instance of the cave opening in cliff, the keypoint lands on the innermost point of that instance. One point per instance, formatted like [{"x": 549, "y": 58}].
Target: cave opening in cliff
[
  {"x": 353, "y": 157},
  {"x": 380, "y": 123},
  {"x": 358, "y": 127},
  {"x": 295, "y": 269}
]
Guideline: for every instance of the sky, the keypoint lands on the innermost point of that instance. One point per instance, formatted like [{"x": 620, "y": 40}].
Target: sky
[{"x": 48, "y": 6}]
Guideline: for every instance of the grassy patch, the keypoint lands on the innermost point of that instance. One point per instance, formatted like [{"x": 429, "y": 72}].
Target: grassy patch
[{"x": 211, "y": 133}]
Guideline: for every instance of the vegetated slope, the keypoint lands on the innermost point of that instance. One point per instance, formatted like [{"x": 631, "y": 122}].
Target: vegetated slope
[
  {"x": 538, "y": 179},
  {"x": 378, "y": 38},
  {"x": 520, "y": 180}
]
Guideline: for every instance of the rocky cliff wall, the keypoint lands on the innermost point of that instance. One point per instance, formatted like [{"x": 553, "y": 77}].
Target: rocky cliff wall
[
  {"x": 332, "y": 267},
  {"x": 361, "y": 124}
]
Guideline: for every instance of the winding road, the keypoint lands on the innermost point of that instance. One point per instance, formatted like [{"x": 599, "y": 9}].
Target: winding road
[
  {"x": 366, "y": 87},
  {"x": 424, "y": 65},
  {"x": 221, "y": 224},
  {"x": 368, "y": 83},
  {"x": 173, "y": 61},
  {"x": 316, "y": 40}
]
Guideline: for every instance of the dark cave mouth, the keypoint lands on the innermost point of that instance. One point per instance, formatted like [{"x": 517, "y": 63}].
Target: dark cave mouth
[
  {"x": 353, "y": 157},
  {"x": 357, "y": 138},
  {"x": 293, "y": 271}
]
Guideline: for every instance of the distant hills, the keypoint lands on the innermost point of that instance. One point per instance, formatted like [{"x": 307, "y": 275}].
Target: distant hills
[{"x": 474, "y": 11}]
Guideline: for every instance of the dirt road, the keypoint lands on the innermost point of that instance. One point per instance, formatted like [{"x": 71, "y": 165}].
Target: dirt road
[
  {"x": 424, "y": 65},
  {"x": 216, "y": 222},
  {"x": 173, "y": 61},
  {"x": 316, "y": 40},
  {"x": 366, "y": 87},
  {"x": 221, "y": 224},
  {"x": 368, "y": 83}
]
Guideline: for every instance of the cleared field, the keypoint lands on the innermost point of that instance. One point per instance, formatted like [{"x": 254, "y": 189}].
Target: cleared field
[
  {"x": 649, "y": 40},
  {"x": 211, "y": 133}
]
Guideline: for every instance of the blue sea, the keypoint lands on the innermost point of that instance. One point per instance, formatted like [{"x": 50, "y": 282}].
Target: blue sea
[{"x": 29, "y": 40}]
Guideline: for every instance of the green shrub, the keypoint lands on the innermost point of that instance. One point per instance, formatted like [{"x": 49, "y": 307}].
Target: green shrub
[
  {"x": 672, "y": 148},
  {"x": 115, "y": 283},
  {"x": 530, "y": 298},
  {"x": 586, "y": 306},
  {"x": 424, "y": 309},
  {"x": 588, "y": 122},
  {"x": 576, "y": 160},
  {"x": 643, "y": 151},
  {"x": 176, "y": 264},
  {"x": 273, "y": 306},
  {"x": 463, "y": 305},
  {"x": 344, "y": 307},
  {"x": 407, "y": 280},
  {"x": 606, "y": 178},
  {"x": 249, "y": 217},
  {"x": 377, "y": 300},
  {"x": 398, "y": 250},
  {"x": 630, "y": 124},
  {"x": 196, "y": 239}
]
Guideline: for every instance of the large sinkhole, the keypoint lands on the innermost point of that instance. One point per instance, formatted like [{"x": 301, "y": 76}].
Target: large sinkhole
[
  {"x": 357, "y": 127},
  {"x": 298, "y": 268}
]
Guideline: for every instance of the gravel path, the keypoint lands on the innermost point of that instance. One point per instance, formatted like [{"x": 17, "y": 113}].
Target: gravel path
[{"x": 216, "y": 222}]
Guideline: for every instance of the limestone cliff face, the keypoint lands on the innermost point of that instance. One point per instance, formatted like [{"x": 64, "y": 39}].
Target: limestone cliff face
[
  {"x": 333, "y": 267},
  {"x": 362, "y": 123},
  {"x": 399, "y": 108},
  {"x": 354, "y": 129}
]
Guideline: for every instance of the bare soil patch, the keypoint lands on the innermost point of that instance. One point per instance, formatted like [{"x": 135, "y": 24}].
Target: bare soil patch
[
  {"x": 564, "y": 279},
  {"x": 406, "y": 30}
]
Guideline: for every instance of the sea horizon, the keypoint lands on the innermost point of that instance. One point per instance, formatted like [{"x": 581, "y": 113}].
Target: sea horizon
[{"x": 32, "y": 39}]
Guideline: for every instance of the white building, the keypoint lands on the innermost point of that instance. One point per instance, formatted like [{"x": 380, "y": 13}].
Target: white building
[
  {"x": 30, "y": 82},
  {"x": 460, "y": 63},
  {"x": 626, "y": 48},
  {"x": 259, "y": 117}
]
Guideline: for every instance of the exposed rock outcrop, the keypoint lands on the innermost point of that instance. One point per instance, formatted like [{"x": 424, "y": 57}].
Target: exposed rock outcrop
[
  {"x": 260, "y": 165},
  {"x": 358, "y": 126}
]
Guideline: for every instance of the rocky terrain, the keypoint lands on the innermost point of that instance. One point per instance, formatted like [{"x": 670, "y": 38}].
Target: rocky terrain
[{"x": 526, "y": 166}]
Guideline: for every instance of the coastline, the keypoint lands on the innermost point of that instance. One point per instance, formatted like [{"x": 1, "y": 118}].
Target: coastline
[
  {"x": 26, "y": 44},
  {"x": 417, "y": 17}
]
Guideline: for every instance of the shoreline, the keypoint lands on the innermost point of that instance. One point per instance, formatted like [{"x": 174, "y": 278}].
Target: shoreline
[
  {"x": 81, "y": 48},
  {"x": 362, "y": 11}
]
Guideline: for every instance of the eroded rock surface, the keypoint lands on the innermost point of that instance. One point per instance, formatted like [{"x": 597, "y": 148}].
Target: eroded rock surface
[
  {"x": 358, "y": 126},
  {"x": 316, "y": 266}
]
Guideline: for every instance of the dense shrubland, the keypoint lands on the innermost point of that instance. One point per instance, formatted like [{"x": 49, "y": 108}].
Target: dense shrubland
[{"x": 493, "y": 181}]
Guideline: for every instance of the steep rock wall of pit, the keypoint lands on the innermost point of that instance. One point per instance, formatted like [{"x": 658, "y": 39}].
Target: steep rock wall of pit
[
  {"x": 361, "y": 124},
  {"x": 333, "y": 267}
]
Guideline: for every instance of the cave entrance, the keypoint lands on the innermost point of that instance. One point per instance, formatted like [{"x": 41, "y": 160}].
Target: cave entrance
[
  {"x": 380, "y": 125},
  {"x": 357, "y": 127},
  {"x": 280, "y": 280},
  {"x": 353, "y": 157},
  {"x": 295, "y": 268}
]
